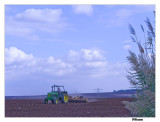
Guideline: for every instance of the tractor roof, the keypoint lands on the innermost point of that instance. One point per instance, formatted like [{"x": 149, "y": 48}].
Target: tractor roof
[{"x": 57, "y": 86}]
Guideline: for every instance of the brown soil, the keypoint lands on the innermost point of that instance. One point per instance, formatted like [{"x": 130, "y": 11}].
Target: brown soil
[{"x": 102, "y": 107}]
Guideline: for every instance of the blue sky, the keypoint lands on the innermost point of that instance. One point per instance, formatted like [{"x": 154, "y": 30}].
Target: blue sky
[{"x": 82, "y": 47}]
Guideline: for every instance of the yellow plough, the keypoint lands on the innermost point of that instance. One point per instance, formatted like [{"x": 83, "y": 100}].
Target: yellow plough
[{"x": 77, "y": 99}]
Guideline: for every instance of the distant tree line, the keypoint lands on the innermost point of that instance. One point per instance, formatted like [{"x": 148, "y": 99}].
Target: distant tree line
[{"x": 127, "y": 91}]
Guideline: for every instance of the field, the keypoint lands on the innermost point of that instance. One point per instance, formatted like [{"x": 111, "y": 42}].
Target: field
[{"x": 96, "y": 107}]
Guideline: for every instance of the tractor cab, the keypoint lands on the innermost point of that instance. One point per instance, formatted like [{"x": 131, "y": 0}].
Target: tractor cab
[{"x": 56, "y": 88}]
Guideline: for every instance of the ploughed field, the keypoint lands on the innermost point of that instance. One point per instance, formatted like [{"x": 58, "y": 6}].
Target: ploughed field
[{"x": 100, "y": 107}]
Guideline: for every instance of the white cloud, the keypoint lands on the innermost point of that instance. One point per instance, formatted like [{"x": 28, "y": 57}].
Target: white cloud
[
  {"x": 97, "y": 64},
  {"x": 57, "y": 62},
  {"x": 83, "y": 9},
  {"x": 123, "y": 15},
  {"x": 18, "y": 63},
  {"x": 86, "y": 54},
  {"x": 89, "y": 62},
  {"x": 73, "y": 55},
  {"x": 14, "y": 55},
  {"x": 127, "y": 47},
  {"x": 58, "y": 67},
  {"x": 30, "y": 22},
  {"x": 40, "y": 15},
  {"x": 92, "y": 54}
]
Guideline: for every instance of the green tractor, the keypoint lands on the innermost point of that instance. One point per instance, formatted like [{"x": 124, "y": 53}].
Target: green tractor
[{"x": 56, "y": 94}]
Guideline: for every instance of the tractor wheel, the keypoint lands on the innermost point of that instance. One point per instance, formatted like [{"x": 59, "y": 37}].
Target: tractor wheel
[
  {"x": 55, "y": 101},
  {"x": 64, "y": 98},
  {"x": 45, "y": 101}
]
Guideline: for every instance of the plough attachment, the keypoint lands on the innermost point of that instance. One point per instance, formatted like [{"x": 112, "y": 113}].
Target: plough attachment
[{"x": 77, "y": 99}]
